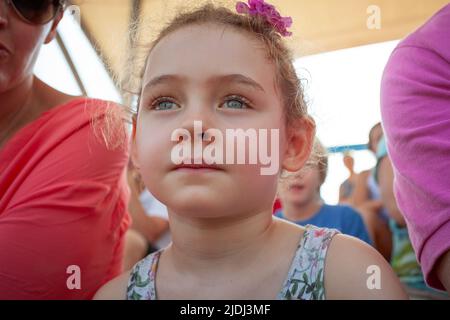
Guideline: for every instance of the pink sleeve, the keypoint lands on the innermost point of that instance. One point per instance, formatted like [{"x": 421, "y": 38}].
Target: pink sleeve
[
  {"x": 415, "y": 104},
  {"x": 70, "y": 209}
]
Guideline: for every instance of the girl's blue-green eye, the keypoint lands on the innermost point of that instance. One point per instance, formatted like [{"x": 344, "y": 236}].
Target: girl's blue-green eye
[
  {"x": 162, "y": 105},
  {"x": 235, "y": 103}
]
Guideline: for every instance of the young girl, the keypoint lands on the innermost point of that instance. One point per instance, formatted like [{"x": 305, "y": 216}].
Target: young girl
[{"x": 232, "y": 71}]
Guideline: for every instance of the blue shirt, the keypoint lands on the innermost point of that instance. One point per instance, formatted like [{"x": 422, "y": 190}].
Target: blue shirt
[{"x": 340, "y": 217}]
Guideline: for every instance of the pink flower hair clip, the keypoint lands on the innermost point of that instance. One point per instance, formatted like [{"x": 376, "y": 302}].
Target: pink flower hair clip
[{"x": 268, "y": 12}]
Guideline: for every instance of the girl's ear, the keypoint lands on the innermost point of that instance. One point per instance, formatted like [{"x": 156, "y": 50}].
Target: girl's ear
[
  {"x": 299, "y": 144},
  {"x": 52, "y": 33},
  {"x": 134, "y": 153}
]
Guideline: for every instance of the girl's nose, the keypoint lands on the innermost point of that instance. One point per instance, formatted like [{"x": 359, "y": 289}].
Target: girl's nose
[{"x": 198, "y": 115}]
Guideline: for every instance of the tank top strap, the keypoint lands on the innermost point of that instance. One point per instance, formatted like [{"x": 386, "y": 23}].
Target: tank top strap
[
  {"x": 141, "y": 284},
  {"x": 305, "y": 279}
]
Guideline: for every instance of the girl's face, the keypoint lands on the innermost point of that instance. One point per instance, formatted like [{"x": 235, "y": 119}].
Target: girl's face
[
  {"x": 20, "y": 43},
  {"x": 301, "y": 188},
  {"x": 222, "y": 78}
]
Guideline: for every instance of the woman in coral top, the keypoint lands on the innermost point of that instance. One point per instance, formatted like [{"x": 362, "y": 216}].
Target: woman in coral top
[{"x": 63, "y": 192}]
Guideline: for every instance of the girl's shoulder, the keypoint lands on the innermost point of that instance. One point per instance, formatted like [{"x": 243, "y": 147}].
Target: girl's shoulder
[
  {"x": 115, "y": 289},
  {"x": 355, "y": 270},
  {"x": 338, "y": 266}
]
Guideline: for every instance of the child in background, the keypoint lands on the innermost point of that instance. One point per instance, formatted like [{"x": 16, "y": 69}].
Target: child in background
[
  {"x": 366, "y": 200},
  {"x": 365, "y": 188},
  {"x": 302, "y": 204},
  {"x": 233, "y": 71}
]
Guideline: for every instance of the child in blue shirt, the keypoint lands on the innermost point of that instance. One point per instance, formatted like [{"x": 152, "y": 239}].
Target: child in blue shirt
[{"x": 302, "y": 204}]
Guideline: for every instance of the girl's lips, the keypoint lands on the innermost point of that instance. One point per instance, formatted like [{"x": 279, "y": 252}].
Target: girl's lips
[{"x": 197, "y": 167}]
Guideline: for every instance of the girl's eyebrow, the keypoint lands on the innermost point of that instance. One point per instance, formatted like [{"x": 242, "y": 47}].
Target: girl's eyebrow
[
  {"x": 241, "y": 79},
  {"x": 238, "y": 78},
  {"x": 161, "y": 80}
]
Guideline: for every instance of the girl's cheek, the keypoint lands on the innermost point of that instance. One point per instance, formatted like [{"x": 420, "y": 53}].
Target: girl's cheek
[
  {"x": 153, "y": 149},
  {"x": 147, "y": 151}
]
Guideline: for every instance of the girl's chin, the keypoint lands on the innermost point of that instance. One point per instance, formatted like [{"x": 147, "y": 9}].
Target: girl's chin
[
  {"x": 199, "y": 206},
  {"x": 201, "y": 213}
]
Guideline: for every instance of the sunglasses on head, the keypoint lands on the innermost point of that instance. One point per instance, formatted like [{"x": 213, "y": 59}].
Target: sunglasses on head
[{"x": 37, "y": 11}]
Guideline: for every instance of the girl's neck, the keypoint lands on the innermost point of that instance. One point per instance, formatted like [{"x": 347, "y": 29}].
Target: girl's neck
[
  {"x": 299, "y": 212},
  {"x": 205, "y": 245}
]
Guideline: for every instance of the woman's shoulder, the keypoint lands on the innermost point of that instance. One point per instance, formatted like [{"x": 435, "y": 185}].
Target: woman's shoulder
[
  {"x": 85, "y": 107},
  {"x": 106, "y": 120},
  {"x": 82, "y": 139}
]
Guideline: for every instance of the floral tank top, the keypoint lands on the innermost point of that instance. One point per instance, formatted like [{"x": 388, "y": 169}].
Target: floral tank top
[{"x": 304, "y": 281}]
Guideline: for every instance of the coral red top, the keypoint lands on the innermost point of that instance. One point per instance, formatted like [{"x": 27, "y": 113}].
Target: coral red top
[{"x": 63, "y": 206}]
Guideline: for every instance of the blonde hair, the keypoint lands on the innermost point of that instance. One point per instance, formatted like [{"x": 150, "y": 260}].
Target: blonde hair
[{"x": 319, "y": 158}]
